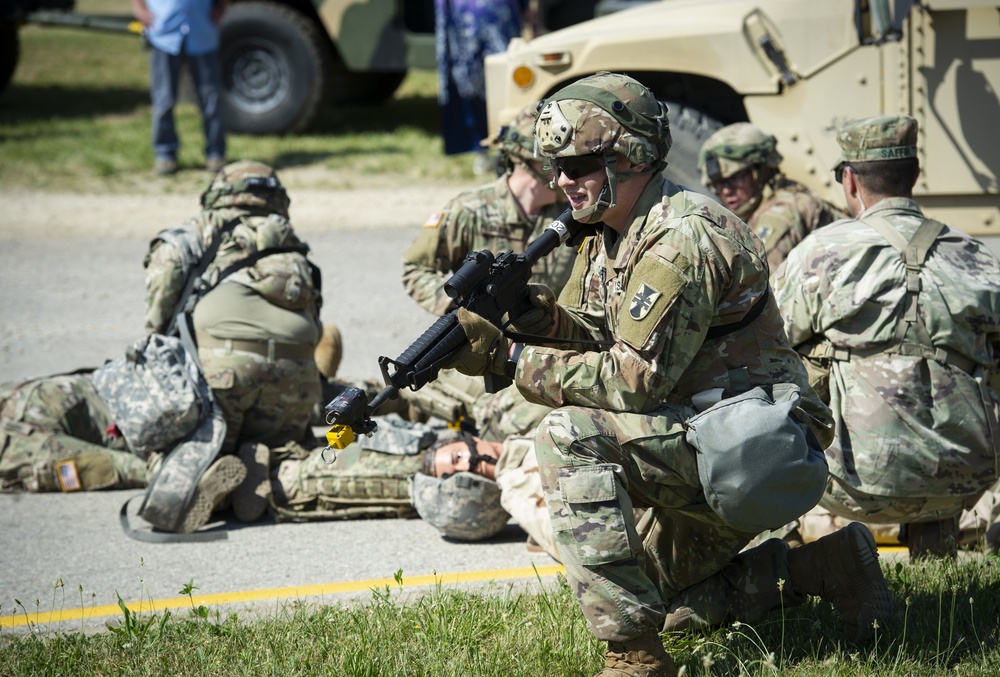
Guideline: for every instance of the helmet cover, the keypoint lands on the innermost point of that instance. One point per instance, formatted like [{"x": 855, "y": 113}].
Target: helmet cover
[
  {"x": 247, "y": 184},
  {"x": 463, "y": 506}
]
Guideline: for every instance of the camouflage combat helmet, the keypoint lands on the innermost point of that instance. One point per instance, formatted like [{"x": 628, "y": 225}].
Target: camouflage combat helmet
[
  {"x": 463, "y": 506},
  {"x": 515, "y": 142},
  {"x": 249, "y": 185},
  {"x": 736, "y": 148},
  {"x": 604, "y": 115}
]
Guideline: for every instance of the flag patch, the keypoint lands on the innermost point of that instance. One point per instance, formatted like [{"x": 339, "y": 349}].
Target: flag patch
[
  {"x": 69, "y": 478},
  {"x": 433, "y": 220}
]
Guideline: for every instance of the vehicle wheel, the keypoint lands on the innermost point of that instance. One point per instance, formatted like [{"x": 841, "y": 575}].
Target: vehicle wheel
[
  {"x": 275, "y": 67},
  {"x": 9, "y": 52},
  {"x": 690, "y": 128},
  {"x": 364, "y": 88}
]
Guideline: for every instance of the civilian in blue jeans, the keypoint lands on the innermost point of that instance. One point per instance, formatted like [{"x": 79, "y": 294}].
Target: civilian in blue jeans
[{"x": 182, "y": 31}]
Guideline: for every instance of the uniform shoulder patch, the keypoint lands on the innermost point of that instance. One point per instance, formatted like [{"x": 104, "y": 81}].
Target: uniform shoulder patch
[
  {"x": 642, "y": 301},
  {"x": 656, "y": 282},
  {"x": 434, "y": 220}
]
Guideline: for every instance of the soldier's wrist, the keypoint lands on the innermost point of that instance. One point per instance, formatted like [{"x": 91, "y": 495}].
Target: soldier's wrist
[{"x": 513, "y": 357}]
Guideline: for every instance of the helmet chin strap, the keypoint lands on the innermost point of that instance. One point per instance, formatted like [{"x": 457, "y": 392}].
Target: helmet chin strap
[{"x": 606, "y": 198}]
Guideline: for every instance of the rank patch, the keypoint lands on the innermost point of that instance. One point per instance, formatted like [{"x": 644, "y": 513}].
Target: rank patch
[
  {"x": 642, "y": 302},
  {"x": 433, "y": 220}
]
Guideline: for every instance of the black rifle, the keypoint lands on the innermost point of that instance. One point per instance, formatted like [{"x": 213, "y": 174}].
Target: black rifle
[{"x": 494, "y": 287}]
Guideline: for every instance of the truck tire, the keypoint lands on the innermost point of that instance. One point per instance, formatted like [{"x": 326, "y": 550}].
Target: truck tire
[
  {"x": 364, "y": 88},
  {"x": 9, "y": 51},
  {"x": 275, "y": 68},
  {"x": 690, "y": 128}
]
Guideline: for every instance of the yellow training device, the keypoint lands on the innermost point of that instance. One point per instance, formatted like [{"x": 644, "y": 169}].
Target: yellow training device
[{"x": 339, "y": 436}]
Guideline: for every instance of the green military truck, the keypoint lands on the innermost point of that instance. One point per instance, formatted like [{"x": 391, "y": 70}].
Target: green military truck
[
  {"x": 798, "y": 69},
  {"x": 283, "y": 60}
]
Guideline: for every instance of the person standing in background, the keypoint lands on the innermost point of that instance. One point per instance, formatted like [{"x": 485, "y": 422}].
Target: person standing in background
[
  {"x": 467, "y": 31},
  {"x": 182, "y": 32}
]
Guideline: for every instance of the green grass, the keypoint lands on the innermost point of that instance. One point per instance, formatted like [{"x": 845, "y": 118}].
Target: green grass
[
  {"x": 946, "y": 622},
  {"x": 77, "y": 117}
]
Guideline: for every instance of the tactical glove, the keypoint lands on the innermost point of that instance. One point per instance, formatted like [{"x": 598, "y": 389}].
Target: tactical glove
[
  {"x": 486, "y": 350},
  {"x": 541, "y": 319}
]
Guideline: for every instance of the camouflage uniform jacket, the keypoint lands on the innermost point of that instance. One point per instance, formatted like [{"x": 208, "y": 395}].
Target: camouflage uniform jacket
[
  {"x": 490, "y": 218},
  {"x": 787, "y": 213},
  {"x": 684, "y": 265},
  {"x": 273, "y": 277},
  {"x": 906, "y": 425}
]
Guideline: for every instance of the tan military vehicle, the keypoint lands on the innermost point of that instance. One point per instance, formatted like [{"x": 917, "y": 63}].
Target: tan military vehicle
[
  {"x": 284, "y": 60},
  {"x": 798, "y": 69}
]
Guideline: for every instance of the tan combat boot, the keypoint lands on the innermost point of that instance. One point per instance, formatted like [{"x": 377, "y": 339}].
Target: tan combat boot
[
  {"x": 643, "y": 656},
  {"x": 843, "y": 569},
  {"x": 930, "y": 539},
  {"x": 250, "y": 498},
  {"x": 328, "y": 351},
  {"x": 221, "y": 478}
]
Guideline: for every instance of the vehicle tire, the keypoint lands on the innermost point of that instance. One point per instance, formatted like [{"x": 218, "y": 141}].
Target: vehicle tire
[
  {"x": 275, "y": 68},
  {"x": 10, "y": 49},
  {"x": 689, "y": 128},
  {"x": 347, "y": 87}
]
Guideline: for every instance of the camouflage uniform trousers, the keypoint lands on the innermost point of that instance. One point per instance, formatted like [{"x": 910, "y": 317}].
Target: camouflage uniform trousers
[
  {"x": 596, "y": 467},
  {"x": 61, "y": 418},
  {"x": 521, "y": 492},
  {"x": 883, "y": 515},
  {"x": 266, "y": 401}
]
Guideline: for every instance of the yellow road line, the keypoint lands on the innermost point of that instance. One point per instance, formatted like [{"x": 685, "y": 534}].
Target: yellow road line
[{"x": 18, "y": 618}]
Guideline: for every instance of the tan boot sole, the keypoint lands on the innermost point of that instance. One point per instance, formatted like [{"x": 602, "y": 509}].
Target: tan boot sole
[{"x": 221, "y": 478}]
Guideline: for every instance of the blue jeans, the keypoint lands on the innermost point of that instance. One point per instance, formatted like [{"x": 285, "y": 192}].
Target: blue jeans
[{"x": 164, "y": 74}]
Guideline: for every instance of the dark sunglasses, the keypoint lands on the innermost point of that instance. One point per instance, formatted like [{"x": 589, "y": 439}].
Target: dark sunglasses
[
  {"x": 576, "y": 166},
  {"x": 838, "y": 172}
]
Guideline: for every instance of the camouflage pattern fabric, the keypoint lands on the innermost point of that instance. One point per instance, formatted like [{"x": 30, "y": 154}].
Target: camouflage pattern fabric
[
  {"x": 515, "y": 141},
  {"x": 283, "y": 279},
  {"x": 272, "y": 302},
  {"x": 974, "y": 521},
  {"x": 617, "y": 440},
  {"x": 251, "y": 186},
  {"x": 888, "y": 137},
  {"x": 361, "y": 483},
  {"x": 521, "y": 492},
  {"x": 734, "y": 148},
  {"x": 172, "y": 489},
  {"x": 155, "y": 392},
  {"x": 269, "y": 401},
  {"x": 789, "y": 211},
  {"x": 56, "y": 434},
  {"x": 500, "y": 415},
  {"x": 571, "y": 124},
  {"x": 464, "y": 506},
  {"x": 907, "y": 426},
  {"x": 486, "y": 218}
]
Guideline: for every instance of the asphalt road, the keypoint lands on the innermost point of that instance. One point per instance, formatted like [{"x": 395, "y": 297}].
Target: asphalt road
[{"x": 73, "y": 301}]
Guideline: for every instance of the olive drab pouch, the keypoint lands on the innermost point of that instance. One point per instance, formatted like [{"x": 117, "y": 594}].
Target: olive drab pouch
[{"x": 758, "y": 467}]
